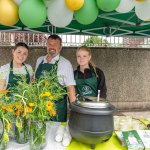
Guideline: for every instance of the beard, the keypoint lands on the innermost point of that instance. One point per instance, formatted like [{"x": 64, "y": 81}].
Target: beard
[{"x": 52, "y": 52}]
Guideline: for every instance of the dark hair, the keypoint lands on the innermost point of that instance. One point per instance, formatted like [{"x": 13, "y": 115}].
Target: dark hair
[
  {"x": 55, "y": 37},
  {"x": 21, "y": 44}
]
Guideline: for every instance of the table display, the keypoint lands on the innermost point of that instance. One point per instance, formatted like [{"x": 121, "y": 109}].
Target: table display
[
  {"x": 51, "y": 144},
  {"x": 112, "y": 144}
]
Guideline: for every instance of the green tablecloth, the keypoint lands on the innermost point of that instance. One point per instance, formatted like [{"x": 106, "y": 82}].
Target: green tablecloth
[{"x": 112, "y": 144}]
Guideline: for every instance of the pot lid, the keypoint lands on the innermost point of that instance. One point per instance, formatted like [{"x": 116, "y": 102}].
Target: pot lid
[
  {"x": 85, "y": 105},
  {"x": 93, "y": 104}
]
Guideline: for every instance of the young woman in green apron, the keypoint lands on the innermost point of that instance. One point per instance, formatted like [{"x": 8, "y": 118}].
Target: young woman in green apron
[
  {"x": 10, "y": 73},
  {"x": 89, "y": 79}
]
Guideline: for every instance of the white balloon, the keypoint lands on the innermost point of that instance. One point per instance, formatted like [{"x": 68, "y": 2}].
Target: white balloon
[
  {"x": 142, "y": 10},
  {"x": 18, "y": 2},
  {"x": 47, "y": 2},
  {"x": 58, "y": 13},
  {"x": 125, "y": 6}
]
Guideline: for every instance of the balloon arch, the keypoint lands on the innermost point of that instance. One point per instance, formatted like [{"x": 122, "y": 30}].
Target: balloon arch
[{"x": 60, "y": 13}]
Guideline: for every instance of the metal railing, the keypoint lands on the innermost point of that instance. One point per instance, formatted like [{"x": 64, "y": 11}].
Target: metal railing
[{"x": 35, "y": 39}]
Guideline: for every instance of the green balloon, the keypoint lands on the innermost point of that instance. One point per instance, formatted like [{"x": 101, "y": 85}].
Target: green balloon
[
  {"x": 107, "y": 5},
  {"x": 88, "y": 12},
  {"x": 32, "y": 13}
]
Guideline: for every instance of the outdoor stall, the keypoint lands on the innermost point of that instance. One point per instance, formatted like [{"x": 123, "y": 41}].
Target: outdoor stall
[{"x": 34, "y": 103}]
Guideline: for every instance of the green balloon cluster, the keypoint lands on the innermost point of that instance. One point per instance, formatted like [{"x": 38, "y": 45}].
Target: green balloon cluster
[
  {"x": 88, "y": 13},
  {"x": 107, "y": 5},
  {"x": 32, "y": 13}
]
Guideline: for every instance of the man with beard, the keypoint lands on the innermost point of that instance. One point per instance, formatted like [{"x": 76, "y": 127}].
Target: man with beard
[{"x": 64, "y": 73}]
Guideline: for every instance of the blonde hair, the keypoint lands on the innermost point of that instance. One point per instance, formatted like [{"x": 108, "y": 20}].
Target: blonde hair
[{"x": 87, "y": 49}]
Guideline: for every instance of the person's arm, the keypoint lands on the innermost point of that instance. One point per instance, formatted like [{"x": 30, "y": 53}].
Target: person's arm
[
  {"x": 69, "y": 81},
  {"x": 101, "y": 83},
  {"x": 71, "y": 93}
]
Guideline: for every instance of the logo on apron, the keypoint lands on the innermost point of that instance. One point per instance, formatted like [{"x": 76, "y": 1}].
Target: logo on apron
[
  {"x": 86, "y": 90},
  {"x": 44, "y": 72}
]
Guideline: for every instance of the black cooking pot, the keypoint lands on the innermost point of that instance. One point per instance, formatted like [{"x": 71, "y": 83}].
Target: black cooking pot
[{"x": 91, "y": 122}]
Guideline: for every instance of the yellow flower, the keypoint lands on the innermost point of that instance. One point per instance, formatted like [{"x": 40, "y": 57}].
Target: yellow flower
[
  {"x": 3, "y": 107},
  {"x": 28, "y": 109},
  {"x": 52, "y": 112},
  {"x": 31, "y": 104},
  {"x": 49, "y": 105},
  {"x": 8, "y": 126},
  {"x": 42, "y": 95},
  {"x": 47, "y": 94},
  {"x": 4, "y": 91},
  {"x": 17, "y": 112},
  {"x": 9, "y": 109},
  {"x": 46, "y": 83}
]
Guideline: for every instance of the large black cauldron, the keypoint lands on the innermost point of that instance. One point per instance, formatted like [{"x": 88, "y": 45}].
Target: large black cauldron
[{"x": 91, "y": 122}]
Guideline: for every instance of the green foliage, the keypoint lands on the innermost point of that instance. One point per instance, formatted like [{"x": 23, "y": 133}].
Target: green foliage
[
  {"x": 37, "y": 135},
  {"x": 34, "y": 101},
  {"x": 95, "y": 41}
]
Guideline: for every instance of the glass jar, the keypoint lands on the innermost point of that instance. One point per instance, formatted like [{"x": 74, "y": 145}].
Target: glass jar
[
  {"x": 21, "y": 135},
  {"x": 4, "y": 140},
  {"x": 37, "y": 135},
  {"x": 3, "y": 145}
]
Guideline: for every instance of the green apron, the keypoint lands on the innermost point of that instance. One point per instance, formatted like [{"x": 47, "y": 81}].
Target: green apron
[
  {"x": 87, "y": 87},
  {"x": 61, "y": 104},
  {"x": 14, "y": 78}
]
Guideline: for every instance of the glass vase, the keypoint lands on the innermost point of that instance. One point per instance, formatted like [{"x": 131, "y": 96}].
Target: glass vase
[
  {"x": 22, "y": 135},
  {"x": 3, "y": 145},
  {"x": 4, "y": 140},
  {"x": 37, "y": 135}
]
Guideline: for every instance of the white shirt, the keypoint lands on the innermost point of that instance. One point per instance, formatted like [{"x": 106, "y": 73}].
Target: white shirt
[
  {"x": 64, "y": 71},
  {"x": 5, "y": 70}
]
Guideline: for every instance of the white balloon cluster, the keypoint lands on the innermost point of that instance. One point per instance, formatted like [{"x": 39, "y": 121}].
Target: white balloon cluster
[
  {"x": 125, "y": 6},
  {"x": 58, "y": 13},
  {"x": 142, "y": 8}
]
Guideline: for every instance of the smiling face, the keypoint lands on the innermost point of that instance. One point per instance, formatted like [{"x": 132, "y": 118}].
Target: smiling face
[
  {"x": 20, "y": 55},
  {"x": 83, "y": 58},
  {"x": 53, "y": 47}
]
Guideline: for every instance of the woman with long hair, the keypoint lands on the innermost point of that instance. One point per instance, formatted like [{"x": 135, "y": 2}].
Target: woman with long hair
[
  {"x": 89, "y": 78},
  {"x": 11, "y": 73}
]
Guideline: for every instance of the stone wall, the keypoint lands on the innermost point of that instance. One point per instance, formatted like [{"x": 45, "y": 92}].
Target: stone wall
[{"x": 127, "y": 72}]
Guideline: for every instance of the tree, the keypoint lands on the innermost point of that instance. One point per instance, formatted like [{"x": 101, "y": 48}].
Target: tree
[{"x": 95, "y": 41}]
